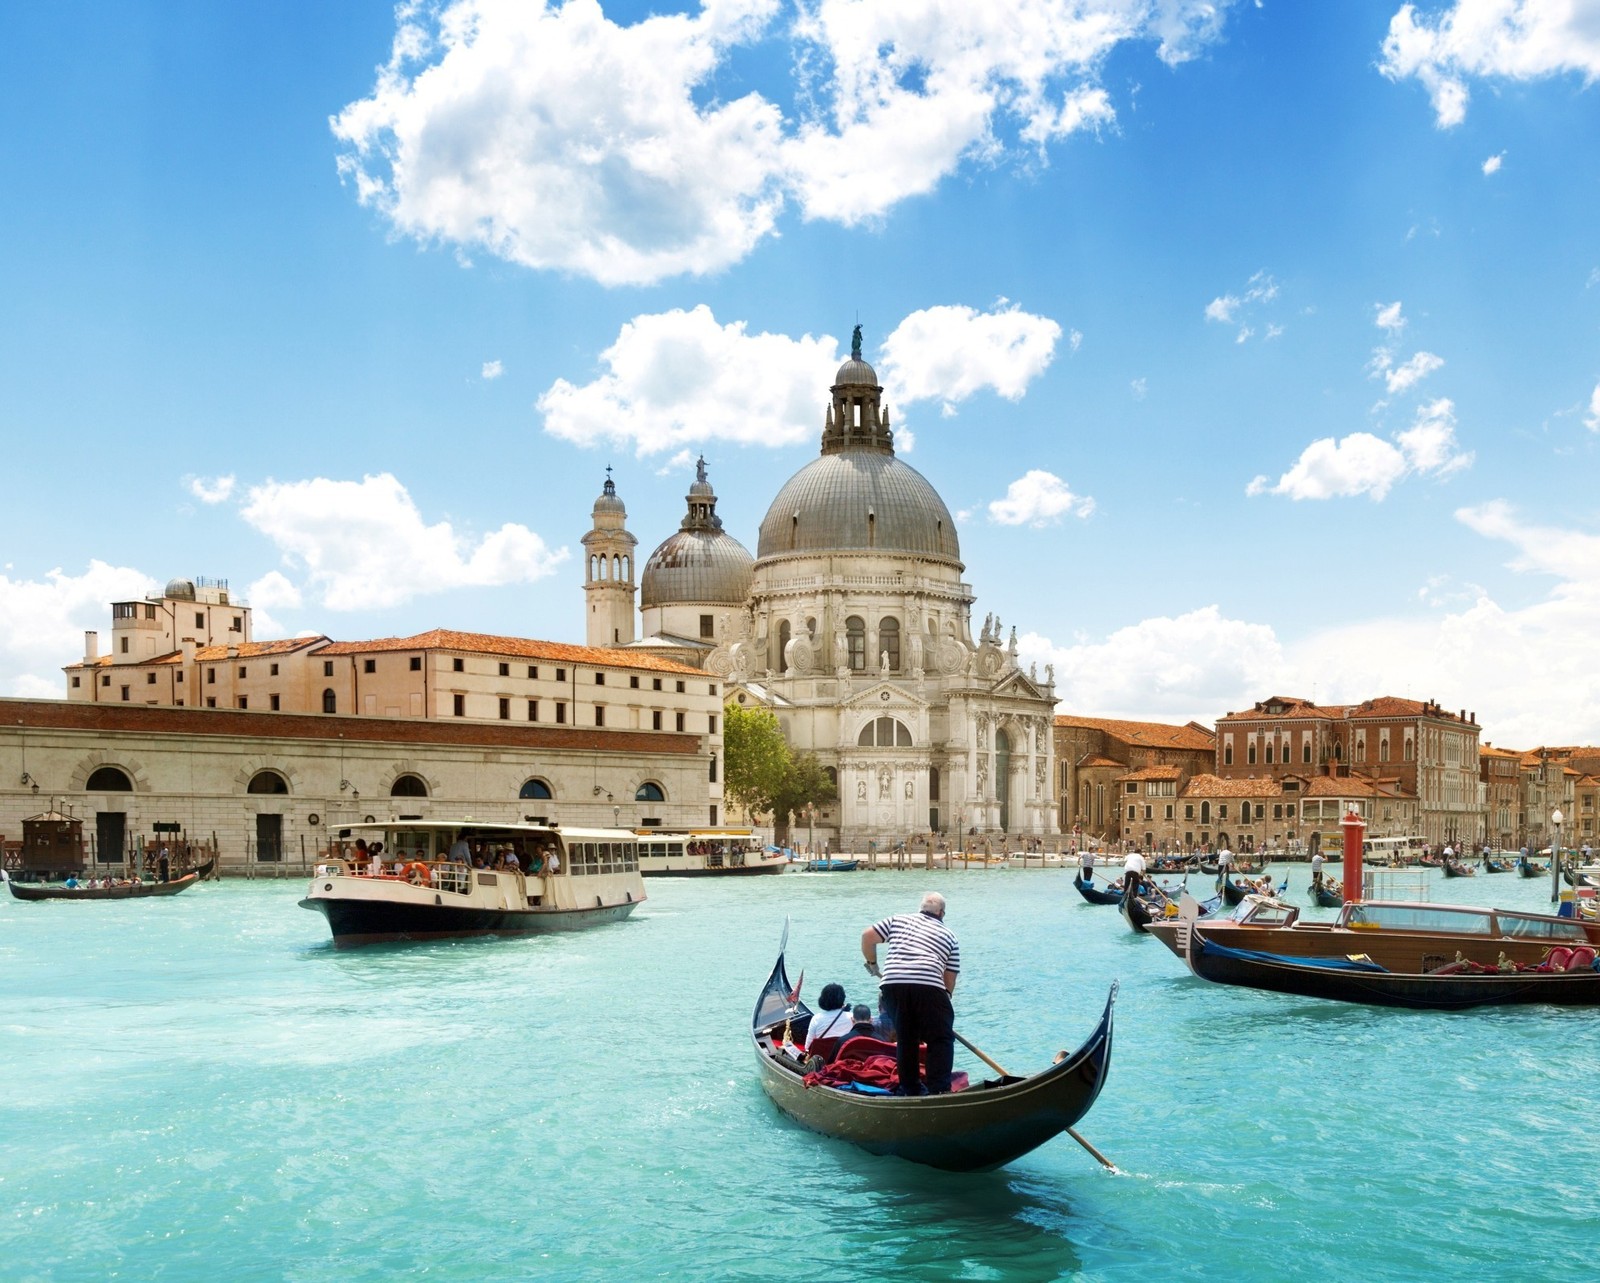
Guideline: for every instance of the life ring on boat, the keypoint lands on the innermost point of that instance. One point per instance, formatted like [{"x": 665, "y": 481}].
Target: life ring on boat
[{"x": 417, "y": 873}]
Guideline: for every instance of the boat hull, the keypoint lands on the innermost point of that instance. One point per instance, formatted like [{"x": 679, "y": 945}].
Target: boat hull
[
  {"x": 694, "y": 867},
  {"x": 55, "y": 891},
  {"x": 1093, "y": 894},
  {"x": 361, "y": 922},
  {"x": 1389, "y": 989},
  {"x": 975, "y": 1130}
]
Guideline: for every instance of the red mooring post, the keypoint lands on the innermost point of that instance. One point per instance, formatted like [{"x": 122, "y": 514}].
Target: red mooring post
[{"x": 1355, "y": 829}]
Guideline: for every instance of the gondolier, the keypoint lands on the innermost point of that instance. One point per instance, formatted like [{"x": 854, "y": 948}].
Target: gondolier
[
  {"x": 1132, "y": 872},
  {"x": 918, "y": 980},
  {"x": 1316, "y": 869}
]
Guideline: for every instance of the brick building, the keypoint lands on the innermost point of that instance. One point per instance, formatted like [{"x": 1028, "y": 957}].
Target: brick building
[{"x": 1094, "y": 756}]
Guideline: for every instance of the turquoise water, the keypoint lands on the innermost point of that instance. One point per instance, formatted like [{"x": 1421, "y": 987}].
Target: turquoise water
[{"x": 202, "y": 1088}]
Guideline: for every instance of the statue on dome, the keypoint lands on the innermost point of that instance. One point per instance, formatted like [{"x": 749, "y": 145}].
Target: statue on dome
[
  {"x": 855, "y": 343},
  {"x": 699, "y": 469}
]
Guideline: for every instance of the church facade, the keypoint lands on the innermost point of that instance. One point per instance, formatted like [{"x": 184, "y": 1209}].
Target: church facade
[{"x": 853, "y": 624}]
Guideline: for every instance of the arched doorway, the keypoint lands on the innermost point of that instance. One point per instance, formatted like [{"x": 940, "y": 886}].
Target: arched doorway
[{"x": 1002, "y": 778}]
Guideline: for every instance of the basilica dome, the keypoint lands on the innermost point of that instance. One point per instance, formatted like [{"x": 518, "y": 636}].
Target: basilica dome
[
  {"x": 858, "y": 497},
  {"x": 701, "y": 563}
]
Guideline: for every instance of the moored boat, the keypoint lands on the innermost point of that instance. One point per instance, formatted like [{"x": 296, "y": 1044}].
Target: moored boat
[
  {"x": 1452, "y": 986},
  {"x": 832, "y": 864},
  {"x": 984, "y": 1126},
  {"x": 1400, "y": 936},
  {"x": 706, "y": 853},
  {"x": 532, "y": 878}
]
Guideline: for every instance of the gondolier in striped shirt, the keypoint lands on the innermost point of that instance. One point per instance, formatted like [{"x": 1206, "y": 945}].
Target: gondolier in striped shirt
[{"x": 920, "y": 976}]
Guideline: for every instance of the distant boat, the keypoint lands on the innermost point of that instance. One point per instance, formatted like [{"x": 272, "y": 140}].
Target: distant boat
[
  {"x": 1329, "y": 895},
  {"x": 1111, "y": 894},
  {"x": 126, "y": 891},
  {"x": 1531, "y": 868},
  {"x": 832, "y": 864},
  {"x": 1455, "y": 869}
]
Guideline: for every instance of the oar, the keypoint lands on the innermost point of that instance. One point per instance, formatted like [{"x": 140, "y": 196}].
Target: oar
[{"x": 1072, "y": 1132}]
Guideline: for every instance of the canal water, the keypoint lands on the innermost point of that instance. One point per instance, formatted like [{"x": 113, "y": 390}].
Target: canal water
[{"x": 201, "y": 1088}]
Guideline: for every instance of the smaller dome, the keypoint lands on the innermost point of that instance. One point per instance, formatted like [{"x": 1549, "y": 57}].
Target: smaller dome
[
  {"x": 707, "y": 566},
  {"x": 608, "y": 501},
  {"x": 182, "y": 589},
  {"x": 856, "y": 372}
]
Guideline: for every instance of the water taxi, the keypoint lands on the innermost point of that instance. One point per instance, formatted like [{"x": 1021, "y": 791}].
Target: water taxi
[
  {"x": 442, "y": 878},
  {"x": 705, "y": 853}
]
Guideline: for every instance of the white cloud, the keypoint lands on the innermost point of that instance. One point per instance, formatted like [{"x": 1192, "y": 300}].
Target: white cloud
[
  {"x": 1400, "y": 378},
  {"x": 1038, "y": 499},
  {"x": 1075, "y": 339},
  {"x": 557, "y": 138},
  {"x": 492, "y": 370},
  {"x": 675, "y": 378},
  {"x": 1492, "y": 165},
  {"x": 42, "y": 622},
  {"x": 210, "y": 489},
  {"x": 1226, "y": 309},
  {"x": 1140, "y": 388},
  {"x": 1389, "y": 317},
  {"x": 1509, "y": 39},
  {"x": 363, "y": 544},
  {"x": 272, "y": 590},
  {"x": 677, "y": 463},
  {"x": 1592, "y": 419},
  {"x": 947, "y": 353},
  {"x": 1362, "y": 463},
  {"x": 1194, "y": 666}
]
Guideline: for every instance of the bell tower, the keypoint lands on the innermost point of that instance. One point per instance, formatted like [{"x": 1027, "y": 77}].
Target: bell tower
[{"x": 608, "y": 571}]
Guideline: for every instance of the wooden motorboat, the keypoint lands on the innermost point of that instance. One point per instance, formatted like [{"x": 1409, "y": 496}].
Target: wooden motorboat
[
  {"x": 593, "y": 879},
  {"x": 982, "y": 1127},
  {"x": 124, "y": 891},
  {"x": 1111, "y": 894},
  {"x": 1401, "y": 936},
  {"x": 1356, "y": 978},
  {"x": 1455, "y": 869}
]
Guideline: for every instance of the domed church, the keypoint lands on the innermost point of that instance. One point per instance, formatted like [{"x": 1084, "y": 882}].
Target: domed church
[{"x": 853, "y": 624}]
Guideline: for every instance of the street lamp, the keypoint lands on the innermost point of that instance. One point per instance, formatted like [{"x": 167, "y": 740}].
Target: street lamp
[{"x": 1555, "y": 864}]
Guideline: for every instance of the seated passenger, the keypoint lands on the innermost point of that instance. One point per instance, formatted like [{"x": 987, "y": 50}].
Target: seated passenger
[
  {"x": 861, "y": 1023},
  {"x": 833, "y": 1020}
]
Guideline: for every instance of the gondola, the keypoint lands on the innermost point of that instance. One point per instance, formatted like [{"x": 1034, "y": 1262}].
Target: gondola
[
  {"x": 1455, "y": 869},
  {"x": 1093, "y": 894},
  {"x": 1495, "y": 866},
  {"x": 1328, "y": 895},
  {"x": 132, "y": 891},
  {"x": 1353, "y": 978},
  {"x": 1531, "y": 869},
  {"x": 983, "y": 1127},
  {"x": 1233, "y": 893}
]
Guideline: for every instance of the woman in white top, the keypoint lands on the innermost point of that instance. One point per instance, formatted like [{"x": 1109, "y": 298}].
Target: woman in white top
[{"x": 833, "y": 1020}]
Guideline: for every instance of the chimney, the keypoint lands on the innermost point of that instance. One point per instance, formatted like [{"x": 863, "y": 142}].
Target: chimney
[
  {"x": 188, "y": 646},
  {"x": 91, "y": 646}
]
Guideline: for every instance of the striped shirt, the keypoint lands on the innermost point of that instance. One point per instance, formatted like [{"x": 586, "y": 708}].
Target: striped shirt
[{"x": 921, "y": 949}]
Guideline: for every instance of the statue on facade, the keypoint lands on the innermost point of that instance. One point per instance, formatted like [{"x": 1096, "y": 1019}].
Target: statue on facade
[
  {"x": 885, "y": 779},
  {"x": 855, "y": 343},
  {"x": 861, "y": 790},
  {"x": 883, "y": 662},
  {"x": 1033, "y": 671},
  {"x": 1012, "y": 646},
  {"x": 908, "y": 790},
  {"x": 1050, "y": 674}
]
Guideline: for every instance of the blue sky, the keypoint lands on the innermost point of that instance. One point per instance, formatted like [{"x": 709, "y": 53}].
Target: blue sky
[{"x": 1254, "y": 344}]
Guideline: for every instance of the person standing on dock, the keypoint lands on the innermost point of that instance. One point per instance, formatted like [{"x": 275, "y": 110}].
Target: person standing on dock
[{"x": 918, "y": 981}]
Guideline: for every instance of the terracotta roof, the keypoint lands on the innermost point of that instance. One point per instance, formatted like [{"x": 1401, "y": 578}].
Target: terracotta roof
[
  {"x": 1100, "y": 759},
  {"x": 1216, "y": 786},
  {"x": 1146, "y": 734},
  {"x": 522, "y": 647},
  {"x": 1488, "y": 750},
  {"x": 1293, "y": 707},
  {"x": 209, "y": 654},
  {"x": 1155, "y": 773}
]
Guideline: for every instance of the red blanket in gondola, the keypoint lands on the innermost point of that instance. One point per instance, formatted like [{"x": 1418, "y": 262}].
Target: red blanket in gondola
[{"x": 878, "y": 1070}]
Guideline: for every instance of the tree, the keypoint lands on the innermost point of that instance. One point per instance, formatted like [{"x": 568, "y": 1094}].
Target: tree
[
  {"x": 755, "y": 757},
  {"x": 805, "y": 783}
]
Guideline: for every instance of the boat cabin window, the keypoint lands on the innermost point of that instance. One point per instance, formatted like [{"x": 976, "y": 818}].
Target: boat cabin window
[
  {"x": 1419, "y": 917},
  {"x": 1544, "y": 928},
  {"x": 603, "y": 857},
  {"x": 1270, "y": 914}
]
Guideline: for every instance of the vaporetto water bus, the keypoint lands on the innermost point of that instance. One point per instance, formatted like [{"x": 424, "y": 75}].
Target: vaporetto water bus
[
  {"x": 464, "y": 877},
  {"x": 706, "y": 853}
]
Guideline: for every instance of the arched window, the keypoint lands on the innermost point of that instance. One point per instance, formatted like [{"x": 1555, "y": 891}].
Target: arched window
[
  {"x": 330, "y": 701},
  {"x": 1227, "y": 754},
  {"x": 856, "y": 634},
  {"x": 1305, "y": 749},
  {"x": 650, "y": 791},
  {"x": 535, "y": 789},
  {"x": 1205, "y": 812},
  {"x": 889, "y": 642},
  {"x": 109, "y": 779},
  {"x": 408, "y": 786},
  {"x": 1250, "y": 753},
  {"x": 1269, "y": 752},
  {"x": 884, "y": 732},
  {"x": 783, "y": 646},
  {"x": 267, "y": 782}
]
